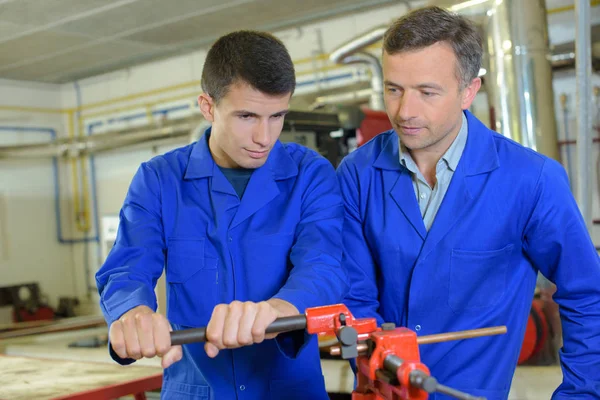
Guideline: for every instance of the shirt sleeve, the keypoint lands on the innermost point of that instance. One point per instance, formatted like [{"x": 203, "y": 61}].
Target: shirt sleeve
[
  {"x": 557, "y": 241},
  {"x": 135, "y": 263}
]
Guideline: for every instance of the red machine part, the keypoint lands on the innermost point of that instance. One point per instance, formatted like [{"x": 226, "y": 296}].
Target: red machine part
[
  {"x": 325, "y": 321},
  {"x": 41, "y": 313},
  {"x": 536, "y": 332},
  {"x": 402, "y": 343},
  {"x": 374, "y": 123}
]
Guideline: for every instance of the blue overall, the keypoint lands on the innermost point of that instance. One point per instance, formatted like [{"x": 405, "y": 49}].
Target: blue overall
[
  {"x": 508, "y": 213},
  {"x": 282, "y": 240}
]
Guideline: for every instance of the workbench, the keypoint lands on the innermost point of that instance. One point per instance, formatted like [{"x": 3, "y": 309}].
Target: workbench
[{"x": 26, "y": 378}]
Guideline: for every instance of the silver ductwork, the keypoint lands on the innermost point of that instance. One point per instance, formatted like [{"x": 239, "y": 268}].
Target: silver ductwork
[
  {"x": 376, "y": 97},
  {"x": 337, "y": 56},
  {"x": 103, "y": 142},
  {"x": 519, "y": 79},
  {"x": 357, "y": 96},
  {"x": 583, "y": 65},
  {"x": 351, "y": 52}
]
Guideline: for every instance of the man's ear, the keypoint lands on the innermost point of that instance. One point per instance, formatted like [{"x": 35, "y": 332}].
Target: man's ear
[
  {"x": 207, "y": 107},
  {"x": 468, "y": 93}
]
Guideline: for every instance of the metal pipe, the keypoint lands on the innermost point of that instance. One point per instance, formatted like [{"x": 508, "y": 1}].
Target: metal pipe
[
  {"x": 348, "y": 97},
  {"x": 283, "y": 324},
  {"x": 75, "y": 174},
  {"x": 350, "y": 53},
  {"x": 520, "y": 74},
  {"x": 565, "y": 110},
  {"x": 583, "y": 68},
  {"x": 70, "y": 148},
  {"x": 376, "y": 99},
  {"x": 460, "y": 335},
  {"x": 362, "y": 41}
]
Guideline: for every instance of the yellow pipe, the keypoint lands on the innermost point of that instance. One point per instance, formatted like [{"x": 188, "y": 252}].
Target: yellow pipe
[
  {"x": 189, "y": 95},
  {"x": 307, "y": 60},
  {"x": 85, "y": 226},
  {"x": 73, "y": 162},
  {"x": 82, "y": 214},
  {"x": 149, "y": 113},
  {"x": 85, "y": 186},
  {"x": 571, "y": 7},
  {"x": 33, "y": 109},
  {"x": 140, "y": 94}
]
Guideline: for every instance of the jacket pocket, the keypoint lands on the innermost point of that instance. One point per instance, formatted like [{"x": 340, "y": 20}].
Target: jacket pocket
[
  {"x": 185, "y": 257},
  {"x": 183, "y": 391},
  {"x": 477, "y": 278},
  {"x": 193, "y": 282}
]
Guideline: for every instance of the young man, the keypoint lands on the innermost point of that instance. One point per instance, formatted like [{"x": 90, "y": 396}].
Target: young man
[
  {"x": 448, "y": 223},
  {"x": 248, "y": 230}
]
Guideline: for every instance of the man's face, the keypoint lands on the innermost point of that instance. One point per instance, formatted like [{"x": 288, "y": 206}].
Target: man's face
[
  {"x": 246, "y": 124},
  {"x": 423, "y": 97}
]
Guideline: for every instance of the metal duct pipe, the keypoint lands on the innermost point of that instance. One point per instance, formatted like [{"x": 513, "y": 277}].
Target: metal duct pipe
[
  {"x": 520, "y": 74},
  {"x": 112, "y": 142},
  {"x": 67, "y": 148},
  {"x": 376, "y": 100},
  {"x": 348, "y": 97},
  {"x": 32, "y": 151},
  {"x": 583, "y": 66},
  {"x": 562, "y": 59},
  {"x": 356, "y": 44},
  {"x": 350, "y": 53}
]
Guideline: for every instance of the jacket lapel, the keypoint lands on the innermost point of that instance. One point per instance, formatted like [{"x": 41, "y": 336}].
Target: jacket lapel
[
  {"x": 399, "y": 180},
  {"x": 479, "y": 156},
  {"x": 262, "y": 187}
]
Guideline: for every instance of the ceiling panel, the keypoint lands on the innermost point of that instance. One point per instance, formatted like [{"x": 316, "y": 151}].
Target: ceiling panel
[
  {"x": 15, "y": 53},
  {"x": 137, "y": 16},
  {"x": 42, "y": 12},
  {"x": 62, "y": 40}
]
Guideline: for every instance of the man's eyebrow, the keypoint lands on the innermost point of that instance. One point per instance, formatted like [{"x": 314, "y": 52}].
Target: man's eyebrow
[{"x": 426, "y": 85}]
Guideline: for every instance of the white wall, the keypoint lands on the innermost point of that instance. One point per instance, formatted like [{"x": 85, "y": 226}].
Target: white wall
[
  {"x": 29, "y": 246},
  {"x": 27, "y": 212}
]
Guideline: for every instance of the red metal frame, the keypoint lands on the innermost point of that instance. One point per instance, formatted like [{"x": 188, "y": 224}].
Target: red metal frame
[
  {"x": 324, "y": 321},
  {"x": 401, "y": 342}
]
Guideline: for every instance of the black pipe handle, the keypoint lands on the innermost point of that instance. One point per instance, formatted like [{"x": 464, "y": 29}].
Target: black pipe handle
[{"x": 284, "y": 324}]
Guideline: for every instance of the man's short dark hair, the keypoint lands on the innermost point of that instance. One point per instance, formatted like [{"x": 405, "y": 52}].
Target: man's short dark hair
[
  {"x": 256, "y": 58},
  {"x": 427, "y": 26}
]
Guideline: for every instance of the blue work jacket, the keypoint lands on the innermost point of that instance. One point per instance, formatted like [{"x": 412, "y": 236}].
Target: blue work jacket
[
  {"x": 508, "y": 213},
  {"x": 282, "y": 240}
]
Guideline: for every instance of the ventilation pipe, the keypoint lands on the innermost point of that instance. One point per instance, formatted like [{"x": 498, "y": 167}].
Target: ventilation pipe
[
  {"x": 583, "y": 105},
  {"x": 519, "y": 77},
  {"x": 68, "y": 148},
  {"x": 351, "y": 53}
]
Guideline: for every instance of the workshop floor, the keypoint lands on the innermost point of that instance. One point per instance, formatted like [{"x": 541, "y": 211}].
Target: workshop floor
[{"x": 533, "y": 383}]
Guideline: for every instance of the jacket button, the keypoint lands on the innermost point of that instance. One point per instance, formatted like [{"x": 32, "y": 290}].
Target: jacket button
[
  {"x": 418, "y": 328},
  {"x": 242, "y": 387}
]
